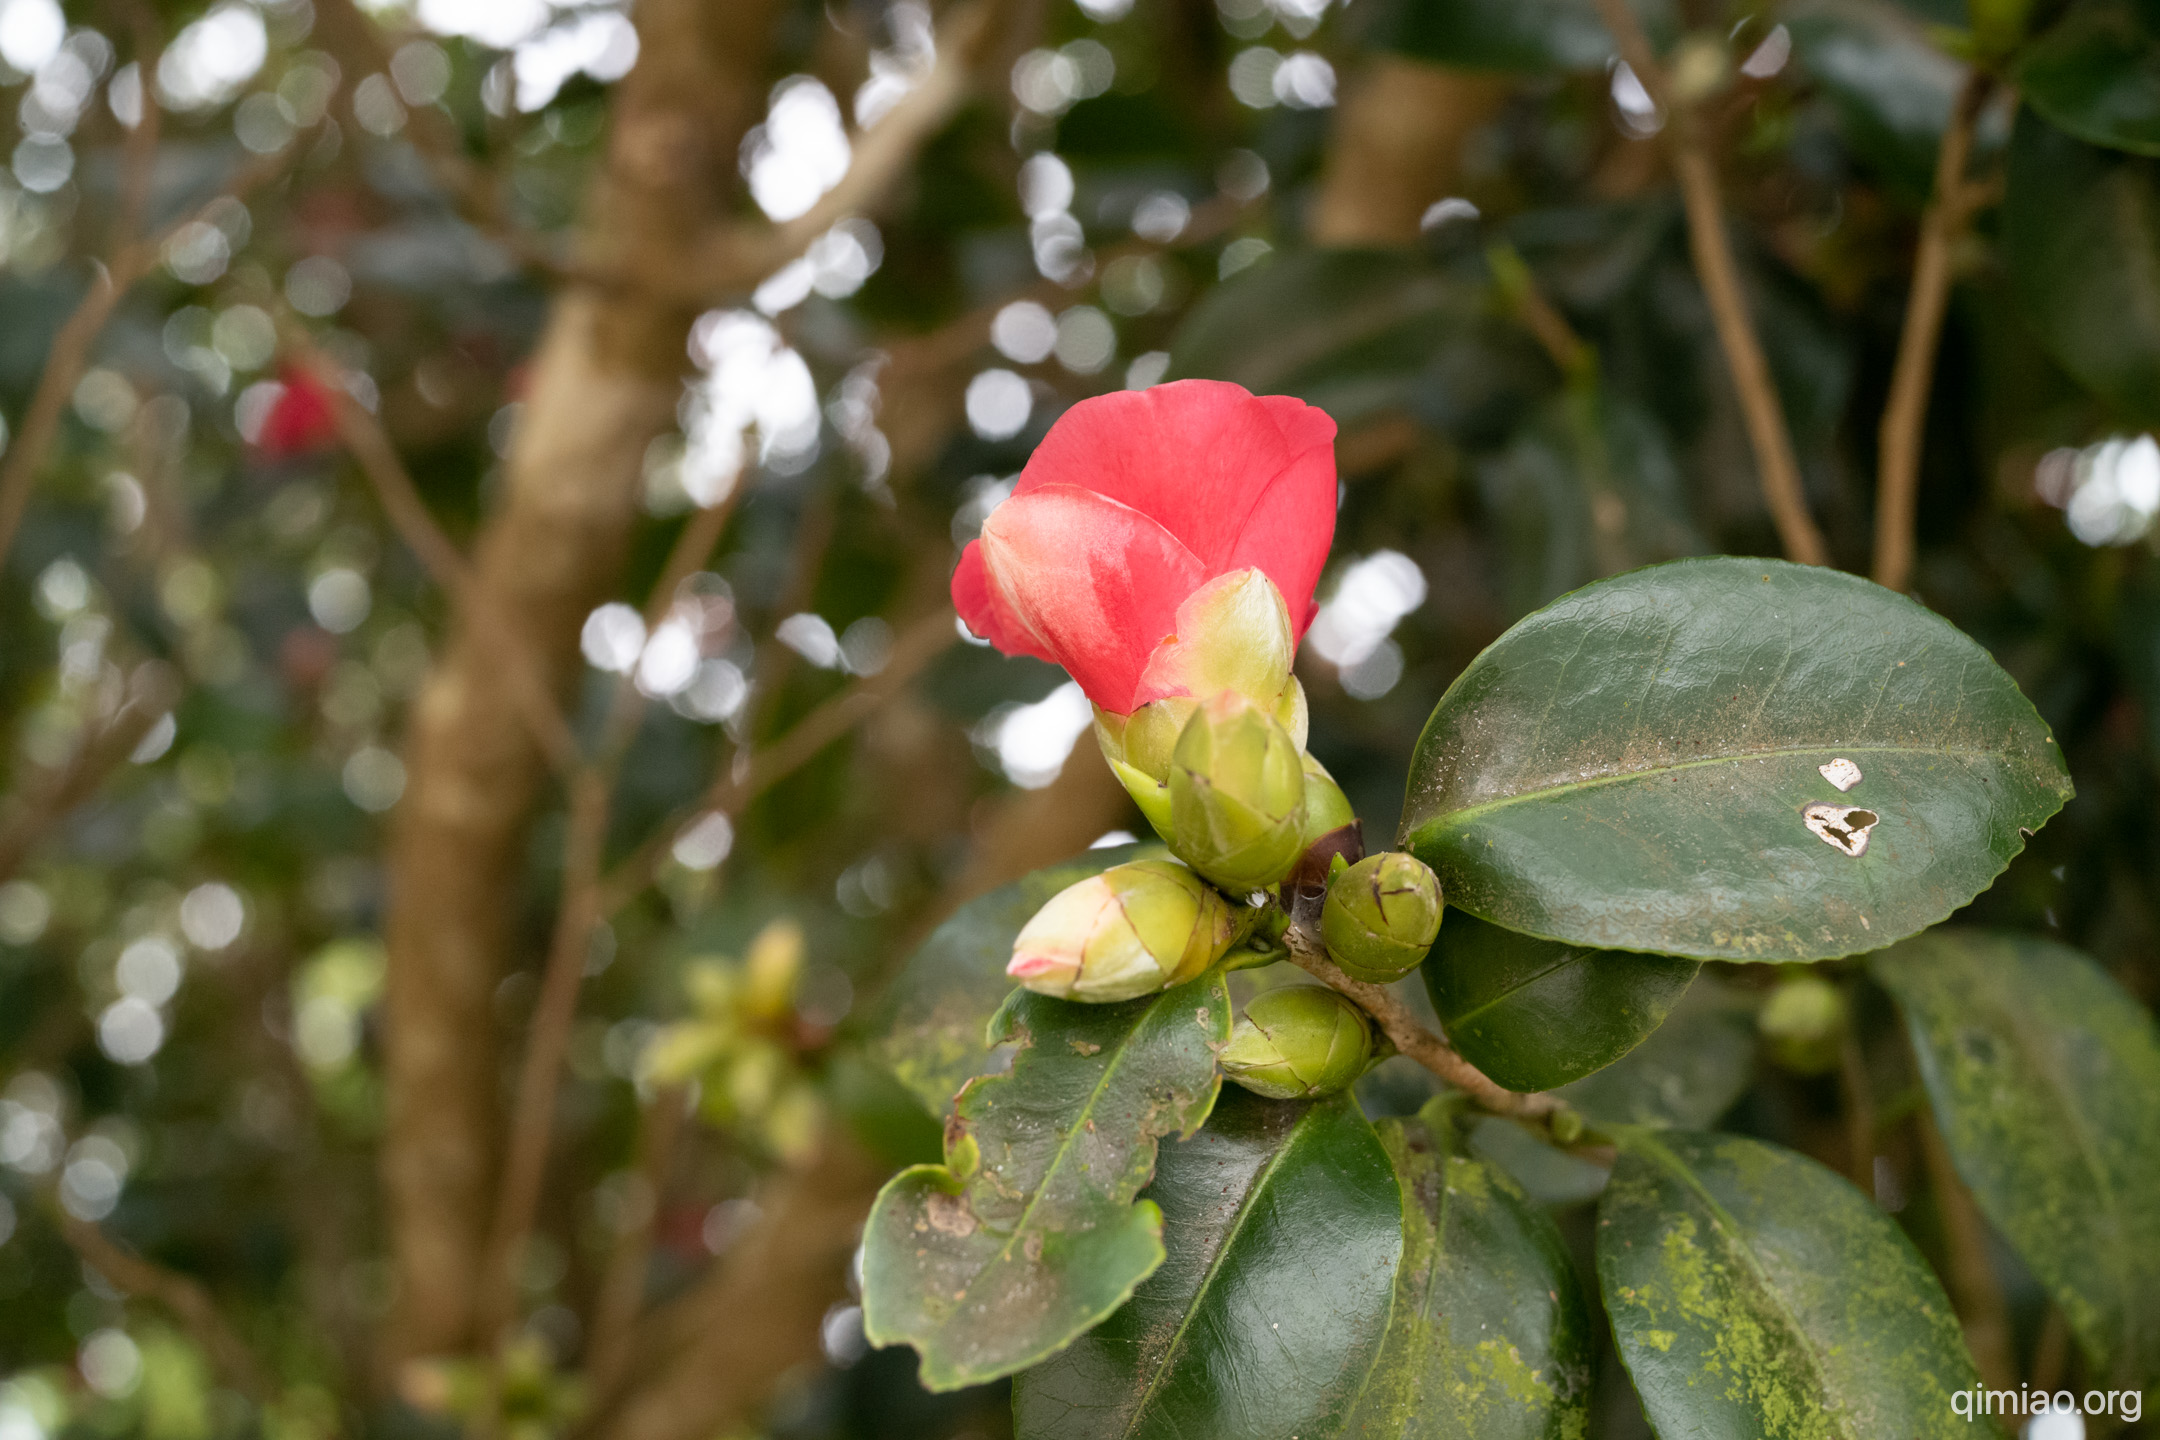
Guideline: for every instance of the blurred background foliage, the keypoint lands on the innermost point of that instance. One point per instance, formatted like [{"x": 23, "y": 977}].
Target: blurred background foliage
[{"x": 1449, "y": 222}]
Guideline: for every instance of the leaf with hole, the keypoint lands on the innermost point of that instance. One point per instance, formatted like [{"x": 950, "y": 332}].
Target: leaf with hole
[
  {"x": 1535, "y": 1014},
  {"x": 930, "y": 1032},
  {"x": 2045, "y": 1080},
  {"x": 1029, "y": 1232},
  {"x": 1631, "y": 767},
  {"x": 1490, "y": 1336},
  {"x": 1284, "y": 1226},
  {"x": 1753, "y": 1292}
]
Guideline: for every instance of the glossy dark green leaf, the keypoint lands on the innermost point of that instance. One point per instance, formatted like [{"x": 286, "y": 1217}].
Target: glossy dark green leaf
[
  {"x": 1490, "y": 1336},
  {"x": 930, "y": 1033},
  {"x": 1534, "y": 1014},
  {"x": 1753, "y": 1292},
  {"x": 2081, "y": 237},
  {"x": 1284, "y": 1225},
  {"x": 2096, "y": 74},
  {"x": 1029, "y": 1233},
  {"x": 1629, "y": 767},
  {"x": 1892, "y": 87},
  {"x": 1522, "y": 36},
  {"x": 1688, "y": 1073},
  {"x": 1358, "y": 332},
  {"x": 2045, "y": 1080}
]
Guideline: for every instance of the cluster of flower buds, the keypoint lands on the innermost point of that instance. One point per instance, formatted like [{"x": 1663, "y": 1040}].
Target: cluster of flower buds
[
  {"x": 742, "y": 1047},
  {"x": 1163, "y": 546},
  {"x": 1217, "y": 763}
]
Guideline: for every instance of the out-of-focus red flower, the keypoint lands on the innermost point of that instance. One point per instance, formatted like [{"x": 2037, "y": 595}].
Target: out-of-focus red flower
[
  {"x": 1132, "y": 502},
  {"x": 302, "y": 419}
]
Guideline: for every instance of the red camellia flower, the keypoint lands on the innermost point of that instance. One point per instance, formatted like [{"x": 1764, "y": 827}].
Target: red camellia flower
[
  {"x": 302, "y": 418},
  {"x": 1132, "y": 502}
]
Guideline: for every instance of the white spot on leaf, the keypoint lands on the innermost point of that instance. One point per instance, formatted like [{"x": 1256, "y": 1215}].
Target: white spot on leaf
[
  {"x": 1842, "y": 827},
  {"x": 1841, "y": 773}
]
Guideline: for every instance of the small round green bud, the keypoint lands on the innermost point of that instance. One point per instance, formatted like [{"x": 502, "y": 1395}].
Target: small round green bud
[
  {"x": 1803, "y": 1019},
  {"x": 1132, "y": 930},
  {"x": 1237, "y": 795},
  {"x": 1382, "y": 915},
  {"x": 1298, "y": 1043}
]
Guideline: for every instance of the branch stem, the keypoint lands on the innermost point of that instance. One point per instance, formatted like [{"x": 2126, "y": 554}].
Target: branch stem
[
  {"x": 70, "y": 353},
  {"x": 1975, "y": 1290},
  {"x": 1777, "y": 467},
  {"x": 1410, "y": 1036},
  {"x": 363, "y": 434},
  {"x": 183, "y": 1295},
  {"x": 1904, "y": 421}
]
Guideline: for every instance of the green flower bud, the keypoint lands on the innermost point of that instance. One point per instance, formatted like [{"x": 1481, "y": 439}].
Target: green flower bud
[
  {"x": 1298, "y": 1043},
  {"x": 1382, "y": 915},
  {"x": 1327, "y": 809},
  {"x": 1237, "y": 795},
  {"x": 1149, "y": 735},
  {"x": 1132, "y": 930},
  {"x": 1804, "y": 1021}
]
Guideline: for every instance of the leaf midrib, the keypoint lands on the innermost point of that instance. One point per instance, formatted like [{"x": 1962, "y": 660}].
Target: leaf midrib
[
  {"x": 1064, "y": 1149},
  {"x": 1245, "y": 1210},
  {"x": 1468, "y": 813},
  {"x": 1725, "y": 1222},
  {"x": 1457, "y": 1021}
]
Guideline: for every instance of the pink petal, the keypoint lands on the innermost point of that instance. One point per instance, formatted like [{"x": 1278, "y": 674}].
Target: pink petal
[
  {"x": 1028, "y": 967},
  {"x": 1239, "y": 479},
  {"x": 1096, "y": 583},
  {"x": 985, "y": 610}
]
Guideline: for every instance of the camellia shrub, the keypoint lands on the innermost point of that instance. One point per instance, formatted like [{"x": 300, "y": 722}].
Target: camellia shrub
[{"x": 1165, "y": 1212}]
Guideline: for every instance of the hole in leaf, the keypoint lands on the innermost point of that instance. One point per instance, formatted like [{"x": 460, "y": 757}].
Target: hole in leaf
[{"x": 1842, "y": 827}]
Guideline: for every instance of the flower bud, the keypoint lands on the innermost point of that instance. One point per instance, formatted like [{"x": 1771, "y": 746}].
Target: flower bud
[
  {"x": 1237, "y": 795},
  {"x": 1382, "y": 915},
  {"x": 1298, "y": 1043},
  {"x": 1332, "y": 834},
  {"x": 1134, "y": 929},
  {"x": 1804, "y": 1021}
]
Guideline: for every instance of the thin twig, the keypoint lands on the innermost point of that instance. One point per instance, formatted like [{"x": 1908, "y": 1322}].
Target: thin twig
[
  {"x": 25, "y": 819},
  {"x": 1904, "y": 421},
  {"x": 181, "y": 1294},
  {"x": 70, "y": 353},
  {"x": 532, "y": 1120},
  {"x": 1859, "y": 1097},
  {"x": 622, "y": 1289},
  {"x": 370, "y": 444},
  {"x": 139, "y": 152},
  {"x": 581, "y": 911},
  {"x": 1777, "y": 466},
  {"x": 1411, "y": 1037},
  {"x": 739, "y": 255},
  {"x": 753, "y": 773},
  {"x": 1975, "y": 1290}
]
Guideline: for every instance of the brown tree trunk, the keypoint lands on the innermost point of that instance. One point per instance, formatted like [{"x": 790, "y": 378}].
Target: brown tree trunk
[
  {"x": 604, "y": 382},
  {"x": 1397, "y": 148}
]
